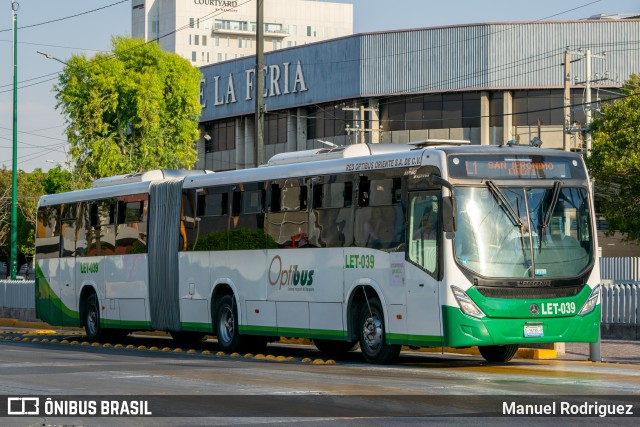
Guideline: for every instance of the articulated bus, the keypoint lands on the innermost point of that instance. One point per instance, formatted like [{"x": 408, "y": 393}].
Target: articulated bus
[{"x": 373, "y": 245}]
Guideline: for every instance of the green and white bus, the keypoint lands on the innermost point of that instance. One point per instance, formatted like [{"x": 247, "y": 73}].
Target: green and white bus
[{"x": 378, "y": 245}]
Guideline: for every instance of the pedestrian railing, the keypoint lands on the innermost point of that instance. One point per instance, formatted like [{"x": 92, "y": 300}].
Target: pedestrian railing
[{"x": 620, "y": 302}]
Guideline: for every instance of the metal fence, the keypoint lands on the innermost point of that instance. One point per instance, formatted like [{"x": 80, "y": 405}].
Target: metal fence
[{"x": 17, "y": 294}]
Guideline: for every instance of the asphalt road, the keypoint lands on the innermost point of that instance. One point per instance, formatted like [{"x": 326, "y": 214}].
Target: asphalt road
[{"x": 207, "y": 389}]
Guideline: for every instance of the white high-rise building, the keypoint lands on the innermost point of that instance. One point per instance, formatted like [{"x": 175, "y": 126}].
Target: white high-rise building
[{"x": 210, "y": 31}]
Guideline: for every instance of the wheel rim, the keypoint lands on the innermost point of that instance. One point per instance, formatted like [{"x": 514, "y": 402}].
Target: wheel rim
[
  {"x": 372, "y": 332},
  {"x": 227, "y": 325},
  {"x": 92, "y": 322}
]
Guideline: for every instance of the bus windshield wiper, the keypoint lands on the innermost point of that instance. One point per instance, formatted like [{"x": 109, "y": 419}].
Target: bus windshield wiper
[
  {"x": 548, "y": 213},
  {"x": 499, "y": 196}
]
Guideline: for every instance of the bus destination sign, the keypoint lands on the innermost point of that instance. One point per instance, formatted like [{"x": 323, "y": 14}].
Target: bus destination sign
[{"x": 514, "y": 167}]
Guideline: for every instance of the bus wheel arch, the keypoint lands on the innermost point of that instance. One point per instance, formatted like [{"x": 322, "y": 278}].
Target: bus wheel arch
[
  {"x": 225, "y": 319},
  {"x": 367, "y": 323},
  {"x": 90, "y": 313}
]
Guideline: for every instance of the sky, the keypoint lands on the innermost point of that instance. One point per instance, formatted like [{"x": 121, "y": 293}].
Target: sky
[{"x": 41, "y": 139}]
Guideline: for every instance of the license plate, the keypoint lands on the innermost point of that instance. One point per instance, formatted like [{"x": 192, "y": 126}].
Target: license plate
[{"x": 533, "y": 331}]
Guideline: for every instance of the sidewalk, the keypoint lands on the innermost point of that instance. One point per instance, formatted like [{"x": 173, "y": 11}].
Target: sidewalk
[{"x": 613, "y": 351}]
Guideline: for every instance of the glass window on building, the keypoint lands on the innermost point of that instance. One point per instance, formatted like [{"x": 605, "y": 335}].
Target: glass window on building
[
  {"x": 274, "y": 44},
  {"x": 471, "y": 110},
  {"x": 217, "y": 41},
  {"x": 240, "y": 42},
  {"x": 432, "y": 114},
  {"x": 275, "y": 128},
  {"x": 452, "y": 110},
  {"x": 219, "y": 57},
  {"x": 191, "y": 22},
  {"x": 193, "y": 56},
  {"x": 308, "y": 31},
  {"x": 496, "y": 109},
  {"x": 204, "y": 40},
  {"x": 190, "y": 42},
  {"x": 197, "y": 40},
  {"x": 223, "y": 136}
]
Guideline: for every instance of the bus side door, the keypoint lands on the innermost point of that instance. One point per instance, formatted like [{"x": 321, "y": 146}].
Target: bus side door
[{"x": 423, "y": 267}]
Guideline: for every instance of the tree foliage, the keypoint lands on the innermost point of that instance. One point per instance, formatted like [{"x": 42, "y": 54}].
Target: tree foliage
[
  {"x": 30, "y": 187},
  {"x": 615, "y": 161},
  {"x": 133, "y": 110}
]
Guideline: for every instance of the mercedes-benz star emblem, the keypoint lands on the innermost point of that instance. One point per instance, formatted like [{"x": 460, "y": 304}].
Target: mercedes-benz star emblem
[{"x": 534, "y": 309}]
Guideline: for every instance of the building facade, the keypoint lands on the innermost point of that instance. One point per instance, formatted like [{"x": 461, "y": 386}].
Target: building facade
[
  {"x": 211, "y": 31},
  {"x": 488, "y": 83}
]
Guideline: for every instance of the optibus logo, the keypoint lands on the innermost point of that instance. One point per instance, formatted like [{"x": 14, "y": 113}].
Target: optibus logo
[{"x": 291, "y": 277}]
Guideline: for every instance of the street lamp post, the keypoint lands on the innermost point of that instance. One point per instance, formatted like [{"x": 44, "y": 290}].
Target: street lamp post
[{"x": 14, "y": 168}]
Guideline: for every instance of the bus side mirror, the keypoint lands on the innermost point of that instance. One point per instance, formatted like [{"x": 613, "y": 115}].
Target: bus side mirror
[
  {"x": 449, "y": 214},
  {"x": 449, "y": 207}
]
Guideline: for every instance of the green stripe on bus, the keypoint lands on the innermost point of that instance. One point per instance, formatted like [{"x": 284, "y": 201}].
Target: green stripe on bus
[
  {"x": 415, "y": 340},
  {"x": 196, "y": 327},
  {"x": 293, "y": 332},
  {"x": 49, "y": 306},
  {"x": 125, "y": 324}
]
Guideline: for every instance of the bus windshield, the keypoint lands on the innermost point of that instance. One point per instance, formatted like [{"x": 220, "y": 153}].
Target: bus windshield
[{"x": 516, "y": 232}]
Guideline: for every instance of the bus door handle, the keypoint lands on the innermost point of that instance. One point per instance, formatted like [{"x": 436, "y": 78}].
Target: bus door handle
[{"x": 421, "y": 285}]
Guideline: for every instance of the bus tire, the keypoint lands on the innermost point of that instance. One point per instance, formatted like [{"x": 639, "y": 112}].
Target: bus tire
[
  {"x": 373, "y": 344},
  {"x": 335, "y": 348},
  {"x": 226, "y": 326},
  {"x": 92, "y": 319},
  {"x": 498, "y": 353}
]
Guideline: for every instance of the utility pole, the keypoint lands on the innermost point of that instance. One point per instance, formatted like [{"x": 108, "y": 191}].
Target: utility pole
[
  {"x": 14, "y": 172},
  {"x": 587, "y": 100},
  {"x": 259, "y": 113},
  {"x": 566, "y": 137},
  {"x": 360, "y": 127}
]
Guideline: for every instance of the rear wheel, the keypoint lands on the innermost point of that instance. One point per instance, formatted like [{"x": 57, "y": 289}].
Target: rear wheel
[
  {"x": 373, "y": 344},
  {"x": 498, "y": 353},
  {"x": 92, "y": 326},
  {"x": 226, "y": 326}
]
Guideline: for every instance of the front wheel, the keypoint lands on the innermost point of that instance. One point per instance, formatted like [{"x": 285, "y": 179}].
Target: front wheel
[
  {"x": 498, "y": 353},
  {"x": 373, "y": 344},
  {"x": 92, "y": 320}
]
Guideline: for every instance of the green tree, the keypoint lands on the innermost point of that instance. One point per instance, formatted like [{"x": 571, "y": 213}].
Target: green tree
[
  {"x": 133, "y": 110},
  {"x": 30, "y": 187},
  {"x": 615, "y": 161}
]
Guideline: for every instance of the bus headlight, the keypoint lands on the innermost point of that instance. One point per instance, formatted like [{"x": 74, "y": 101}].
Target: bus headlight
[
  {"x": 590, "y": 305},
  {"x": 466, "y": 305}
]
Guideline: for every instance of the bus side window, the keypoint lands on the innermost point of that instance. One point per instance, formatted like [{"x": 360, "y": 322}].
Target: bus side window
[
  {"x": 131, "y": 235},
  {"x": 332, "y": 212},
  {"x": 246, "y": 229},
  {"x": 68, "y": 230},
  {"x": 379, "y": 217},
  {"x": 210, "y": 229},
  {"x": 48, "y": 232},
  {"x": 287, "y": 221}
]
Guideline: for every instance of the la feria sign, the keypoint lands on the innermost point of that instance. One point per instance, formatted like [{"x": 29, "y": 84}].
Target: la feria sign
[{"x": 279, "y": 79}]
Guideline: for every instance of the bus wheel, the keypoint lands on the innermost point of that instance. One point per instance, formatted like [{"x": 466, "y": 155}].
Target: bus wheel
[
  {"x": 226, "y": 325},
  {"x": 372, "y": 335},
  {"x": 92, "y": 319},
  {"x": 335, "y": 348},
  {"x": 498, "y": 353}
]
